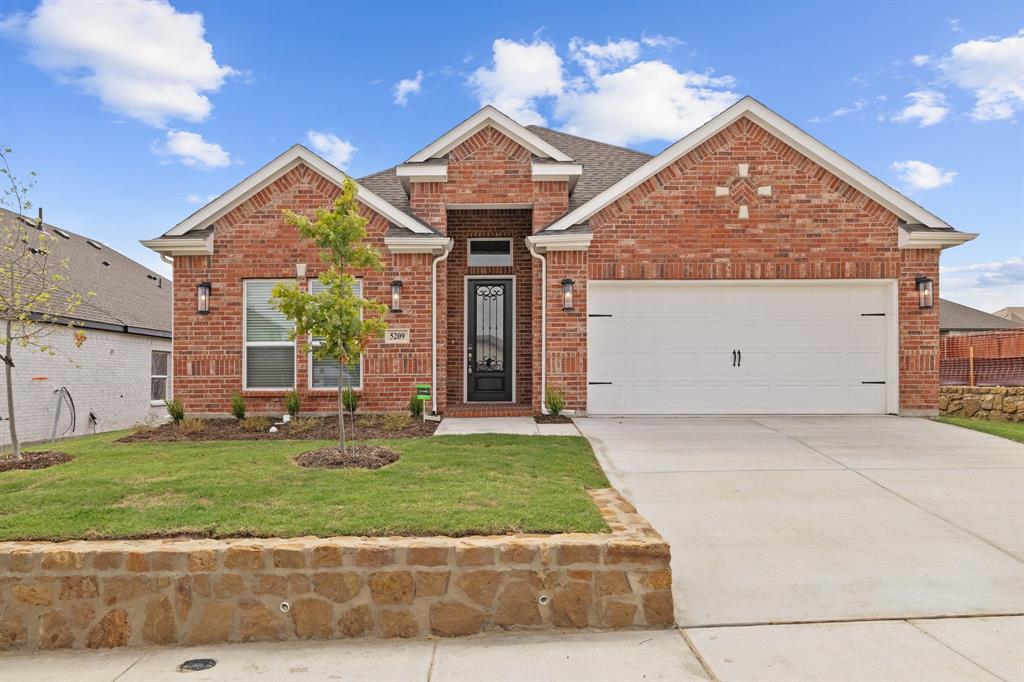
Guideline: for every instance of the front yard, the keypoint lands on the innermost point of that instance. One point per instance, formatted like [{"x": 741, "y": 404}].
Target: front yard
[
  {"x": 448, "y": 485},
  {"x": 1009, "y": 430}
]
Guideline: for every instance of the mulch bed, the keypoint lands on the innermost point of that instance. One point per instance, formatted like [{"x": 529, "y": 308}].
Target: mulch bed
[
  {"x": 35, "y": 460},
  {"x": 357, "y": 456},
  {"x": 311, "y": 428},
  {"x": 552, "y": 419}
]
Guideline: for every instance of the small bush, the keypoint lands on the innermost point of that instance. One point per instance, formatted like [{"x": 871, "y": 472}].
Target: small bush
[
  {"x": 415, "y": 405},
  {"x": 238, "y": 406},
  {"x": 350, "y": 400},
  {"x": 395, "y": 421},
  {"x": 554, "y": 400},
  {"x": 291, "y": 403},
  {"x": 192, "y": 426},
  {"x": 302, "y": 424},
  {"x": 176, "y": 410},
  {"x": 255, "y": 424}
]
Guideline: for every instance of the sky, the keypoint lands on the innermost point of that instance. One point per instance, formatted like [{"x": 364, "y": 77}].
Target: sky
[{"x": 134, "y": 114}]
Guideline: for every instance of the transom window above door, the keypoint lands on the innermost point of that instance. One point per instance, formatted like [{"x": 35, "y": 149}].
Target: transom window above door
[{"x": 493, "y": 253}]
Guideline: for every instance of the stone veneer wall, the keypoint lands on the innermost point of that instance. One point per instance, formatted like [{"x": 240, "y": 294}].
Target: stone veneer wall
[
  {"x": 994, "y": 403},
  {"x": 122, "y": 593}
]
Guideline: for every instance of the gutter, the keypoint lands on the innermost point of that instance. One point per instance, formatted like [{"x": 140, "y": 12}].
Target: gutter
[
  {"x": 446, "y": 251},
  {"x": 543, "y": 321}
]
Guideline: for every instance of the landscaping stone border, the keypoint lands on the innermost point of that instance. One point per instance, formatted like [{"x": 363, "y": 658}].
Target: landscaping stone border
[
  {"x": 103, "y": 594},
  {"x": 994, "y": 403}
]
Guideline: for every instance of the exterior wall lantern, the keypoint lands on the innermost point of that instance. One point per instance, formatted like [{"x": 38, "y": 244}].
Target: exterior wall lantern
[
  {"x": 567, "y": 294},
  {"x": 203, "y": 298},
  {"x": 396, "y": 296},
  {"x": 925, "y": 292}
]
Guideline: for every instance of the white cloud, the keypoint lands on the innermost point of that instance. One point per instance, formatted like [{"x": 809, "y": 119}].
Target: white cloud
[
  {"x": 328, "y": 145},
  {"x": 407, "y": 87},
  {"x": 596, "y": 59},
  {"x": 992, "y": 69},
  {"x": 141, "y": 58},
  {"x": 954, "y": 25},
  {"x": 920, "y": 59},
  {"x": 921, "y": 176},
  {"x": 656, "y": 41},
  {"x": 988, "y": 286},
  {"x": 200, "y": 199},
  {"x": 192, "y": 150},
  {"x": 927, "y": 106},
  {"x": 521, "y": 74},
  {"x": 646, "y": 101},
  {"x": 843, "y": 111}
]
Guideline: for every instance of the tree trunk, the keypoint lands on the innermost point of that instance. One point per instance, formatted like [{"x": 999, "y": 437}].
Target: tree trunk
[
  {"x": 341, "y": 408},
  {"x": 8, "y": 364}
]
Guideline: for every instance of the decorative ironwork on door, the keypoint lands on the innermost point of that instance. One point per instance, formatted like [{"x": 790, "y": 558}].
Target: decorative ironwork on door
[{"x": 489, "y": 356}]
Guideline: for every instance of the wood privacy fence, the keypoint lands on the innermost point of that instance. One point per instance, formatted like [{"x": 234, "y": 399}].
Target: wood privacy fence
[{"x": 983, "y": 359}]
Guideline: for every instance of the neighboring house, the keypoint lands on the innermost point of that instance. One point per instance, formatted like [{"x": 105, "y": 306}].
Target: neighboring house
[
  {"x": 1013, "y": 313},
  {"x": 956, "y": 319},
  {"x": 747, "y": 268},
  {"x": 119, "y": 377}
]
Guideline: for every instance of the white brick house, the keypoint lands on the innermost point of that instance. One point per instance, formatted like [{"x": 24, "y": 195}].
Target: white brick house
[{"x": 120, "y": 376}]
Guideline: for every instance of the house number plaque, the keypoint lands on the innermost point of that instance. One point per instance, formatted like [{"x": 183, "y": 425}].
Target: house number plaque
[{"x": 396, "y": 335}]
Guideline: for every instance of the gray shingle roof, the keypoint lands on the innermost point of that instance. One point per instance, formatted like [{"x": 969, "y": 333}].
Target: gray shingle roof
[
  {"x": 128, "y": 294},
  {"x": 603, "y": 166},
  {"x": 958, "y": 317}
]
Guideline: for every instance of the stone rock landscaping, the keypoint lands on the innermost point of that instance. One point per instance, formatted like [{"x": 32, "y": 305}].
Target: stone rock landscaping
[{"x": 994, "y": 403}]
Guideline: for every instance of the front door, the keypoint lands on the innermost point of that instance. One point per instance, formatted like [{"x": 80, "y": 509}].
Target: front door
[{"x": 489, "y": 336}]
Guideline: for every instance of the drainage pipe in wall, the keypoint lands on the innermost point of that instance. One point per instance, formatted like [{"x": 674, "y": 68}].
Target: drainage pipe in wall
[
  {"x": 543, "y": 323},
  {"x": 433, "y": 321}
]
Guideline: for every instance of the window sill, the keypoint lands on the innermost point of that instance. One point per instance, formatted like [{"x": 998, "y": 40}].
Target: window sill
[{"x": 157, "y": 403}]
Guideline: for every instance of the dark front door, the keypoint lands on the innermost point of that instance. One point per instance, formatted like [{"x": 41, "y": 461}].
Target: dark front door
[{"x": 489, "y": 340}]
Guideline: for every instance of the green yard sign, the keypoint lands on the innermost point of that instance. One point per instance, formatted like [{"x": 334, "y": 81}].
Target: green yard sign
[{"x": 423, "y": 391}]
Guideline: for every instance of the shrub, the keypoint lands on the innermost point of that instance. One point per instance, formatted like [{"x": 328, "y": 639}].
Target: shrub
[
  {"x": 302, "y": 424},
  {"x": 395, "y": 421},
  {"x": 192, "y": 426},
  {"x": 415, "y": 405},
  {"x": 554, "y": 400},
  {"x": 350, "y": 400},
  {"x": 291, "y": 403},
  {"x": 238, "y": 405},
  {"x": 255, "y": 424},
  {"x": 176, "y": 410}
]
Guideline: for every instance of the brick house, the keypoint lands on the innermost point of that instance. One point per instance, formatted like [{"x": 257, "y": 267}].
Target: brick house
[{"x": 745, "y": 269}]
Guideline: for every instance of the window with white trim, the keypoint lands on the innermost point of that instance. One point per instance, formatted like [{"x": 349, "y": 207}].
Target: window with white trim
[
  {"x": 159, "y": 369},
  {"x": 487, "y": 252},
  {"x": 326, "y": 373},
  {"x": 269, "y": 353}
]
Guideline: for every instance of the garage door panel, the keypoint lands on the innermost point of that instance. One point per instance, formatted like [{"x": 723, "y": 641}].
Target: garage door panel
[{"x": 667, "y": 348}]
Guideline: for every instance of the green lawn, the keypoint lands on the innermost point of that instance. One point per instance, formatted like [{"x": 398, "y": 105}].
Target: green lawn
[
  {"x": 1010, "y": 430},
  {"x": 446, "y": 485}
]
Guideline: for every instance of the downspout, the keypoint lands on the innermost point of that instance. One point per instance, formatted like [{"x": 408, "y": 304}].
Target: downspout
[
  {"x": 433, "y": 321},
  {"x": 543, "y": 323}
]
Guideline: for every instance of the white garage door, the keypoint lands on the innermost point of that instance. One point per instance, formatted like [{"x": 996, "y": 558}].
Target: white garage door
[{"x": 741, "y": 348}]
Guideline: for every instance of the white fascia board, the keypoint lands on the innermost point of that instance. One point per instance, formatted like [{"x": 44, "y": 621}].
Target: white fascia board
[
  {"x": 572, "y": 241},
  {"x": 180, "y": 246},
  {"x": 294, "y": 156},
  {"x": 556, "y": 171},
  {"x": 435, "y": 245},
  {"x": 423, "y": 172},
  {"x": 477, "y": 122},
  {"x": 933, "y": 239},
  {"x": 785, "y": 131}
]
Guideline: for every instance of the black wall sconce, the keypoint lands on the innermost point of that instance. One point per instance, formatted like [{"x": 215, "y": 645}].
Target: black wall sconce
[
  {"x": 925, "y": 292},
  {"x": 567, "y": 294},
  {"x": 396, "y": 296},
  {"x": 203, "y": 298}
]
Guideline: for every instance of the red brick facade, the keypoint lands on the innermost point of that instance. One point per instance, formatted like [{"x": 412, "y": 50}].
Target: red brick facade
[{"x": 673, "y": 226}]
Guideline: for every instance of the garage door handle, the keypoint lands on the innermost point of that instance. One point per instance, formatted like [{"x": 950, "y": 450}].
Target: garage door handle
[
  {"x": 739, "y": 358},
  {"x": 734, "y": 358}
]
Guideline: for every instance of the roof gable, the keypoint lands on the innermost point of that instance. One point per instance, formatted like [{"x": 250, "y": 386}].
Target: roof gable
[
  {"x": 489, "y": 116},
  {"x": 291, "y": 158},
  {"x": 791, "y": 135}
]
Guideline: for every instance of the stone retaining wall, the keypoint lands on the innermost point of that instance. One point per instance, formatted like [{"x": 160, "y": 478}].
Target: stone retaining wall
[
  {"x": 123, "y": 593},
  {"x": 995, "y": 403}
]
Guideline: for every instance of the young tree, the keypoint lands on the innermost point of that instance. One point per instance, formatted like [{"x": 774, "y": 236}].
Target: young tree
[
  {"x": 335, "y": 316},
  {"x": 34, "y": 300}
]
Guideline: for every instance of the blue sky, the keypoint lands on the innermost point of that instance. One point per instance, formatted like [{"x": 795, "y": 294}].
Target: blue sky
[{"x": 134, "y": 113}]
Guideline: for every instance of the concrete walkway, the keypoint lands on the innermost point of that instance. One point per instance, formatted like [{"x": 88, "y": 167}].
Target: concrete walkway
[{"x": 520, "y": 426}]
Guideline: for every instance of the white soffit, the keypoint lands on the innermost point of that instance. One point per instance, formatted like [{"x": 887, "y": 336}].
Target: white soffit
[
  {"x": 293, "y": 157},
  {"x": 933, "y": 239},
  {"x": 488, "y": 116},
  {"x": 785, "y": 131},
  {"x": 566, "y": 241}
]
